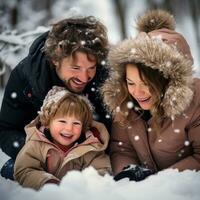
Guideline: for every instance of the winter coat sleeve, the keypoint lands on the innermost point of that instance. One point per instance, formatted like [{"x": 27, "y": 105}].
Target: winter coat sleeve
[
  {"x": 193, "y": 133},
  {"x": 29, "y": 169},
  {"x": 122, "y": 152},
  {"x": 99, "y": 160},
  {"x": 15, "y": 113}
]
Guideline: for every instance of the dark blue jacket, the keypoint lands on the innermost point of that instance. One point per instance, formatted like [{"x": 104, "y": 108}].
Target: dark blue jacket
[{"x": 27, "y": 86}]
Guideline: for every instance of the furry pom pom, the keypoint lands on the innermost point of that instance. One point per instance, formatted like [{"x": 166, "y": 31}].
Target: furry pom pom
[{"x": 155, "y": 19}]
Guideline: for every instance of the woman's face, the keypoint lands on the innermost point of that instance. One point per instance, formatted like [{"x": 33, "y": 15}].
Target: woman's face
[{"x": 138, "y": 89}]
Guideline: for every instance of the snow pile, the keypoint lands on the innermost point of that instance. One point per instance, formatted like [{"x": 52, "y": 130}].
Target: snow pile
[{"x": 168, "y": 184}]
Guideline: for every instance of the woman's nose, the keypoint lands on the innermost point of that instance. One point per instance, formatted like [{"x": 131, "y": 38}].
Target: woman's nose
[{"x": 138, "y": 90}]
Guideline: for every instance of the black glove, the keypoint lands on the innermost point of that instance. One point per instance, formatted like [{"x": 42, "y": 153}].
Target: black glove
[
  {"x": 8, "y": 169},
  {"x": 134, "y": 173}
]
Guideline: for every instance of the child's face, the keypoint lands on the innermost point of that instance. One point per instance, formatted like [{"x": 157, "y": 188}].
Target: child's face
[{"x": 65, "y": 130}]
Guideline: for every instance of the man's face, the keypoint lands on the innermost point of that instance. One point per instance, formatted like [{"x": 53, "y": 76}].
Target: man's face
[{"x": 76, "y": 71}]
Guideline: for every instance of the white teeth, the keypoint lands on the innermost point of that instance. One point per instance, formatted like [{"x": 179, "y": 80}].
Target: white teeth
[
  {"x": 144, "y": 99},
  {"x": 65, "y": 135},
  {"x": 78, "y": 82}
]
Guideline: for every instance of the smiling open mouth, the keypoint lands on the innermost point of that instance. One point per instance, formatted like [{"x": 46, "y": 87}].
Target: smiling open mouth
[
  {"x": 67, "y": 136},
  {"x": 144, "y": 100},
  {"x": 78, "y": 82}
]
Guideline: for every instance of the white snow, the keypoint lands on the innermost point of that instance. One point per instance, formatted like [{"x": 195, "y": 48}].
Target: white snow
[{"x": 166, "y": 185}]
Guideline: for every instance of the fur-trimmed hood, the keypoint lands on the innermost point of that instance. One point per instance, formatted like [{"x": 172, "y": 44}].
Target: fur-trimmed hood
[{"x": 153, "y": 53}]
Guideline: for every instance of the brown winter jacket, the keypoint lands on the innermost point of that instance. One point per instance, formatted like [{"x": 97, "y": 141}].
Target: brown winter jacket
[
  {"x": 178, "y": 145},
  {"x": 31, "y": 168}
]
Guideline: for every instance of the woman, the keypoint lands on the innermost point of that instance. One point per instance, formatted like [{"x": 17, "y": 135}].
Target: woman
[{"x": 154, "y": 100}]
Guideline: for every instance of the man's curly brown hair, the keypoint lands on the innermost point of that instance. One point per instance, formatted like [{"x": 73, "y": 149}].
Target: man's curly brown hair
[{"x": 85, "y": 34}]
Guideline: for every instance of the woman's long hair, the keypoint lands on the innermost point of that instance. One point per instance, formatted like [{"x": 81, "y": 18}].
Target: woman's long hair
[{"x": 157, "y": 85}]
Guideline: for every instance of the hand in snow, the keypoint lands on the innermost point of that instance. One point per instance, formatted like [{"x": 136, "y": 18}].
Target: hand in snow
[{"x": 134, "y": 173}]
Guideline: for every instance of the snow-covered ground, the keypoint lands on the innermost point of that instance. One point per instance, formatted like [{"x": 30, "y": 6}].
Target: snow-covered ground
[{"x": 166, "y": 185}]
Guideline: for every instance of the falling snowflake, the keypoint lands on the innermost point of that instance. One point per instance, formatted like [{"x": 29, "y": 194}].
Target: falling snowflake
[
  {"x": 182, "y": 151},
  {"x": 120, "y": 143},
  {"x": 136, "y": 138},
  {"x": 152, "y": 20},
  {"x": 118, "y": 109},
  {"x": 93, "y": 89},
  {"x": 16, "y": 144},
  {"x": 179, "y": 155},
  {"x": 130, "y": 104},
  {"x": 160, "y": 140},
  {"x": 103, "y": 62},
  {"x": 149, "y": 129},
  {"x": 13, "y": 95},
  {"x": 136, "y": 108},
  {"x": 107, "y": 116},
  {"x": 83, "y": 42},
  {"x": 186, "y": 143},
  {"x": 176, "y": 130},
  {"x": 129, "y": 127}
]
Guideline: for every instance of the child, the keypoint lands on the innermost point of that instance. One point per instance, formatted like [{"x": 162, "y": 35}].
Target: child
[{"x": 62, "y": 138}]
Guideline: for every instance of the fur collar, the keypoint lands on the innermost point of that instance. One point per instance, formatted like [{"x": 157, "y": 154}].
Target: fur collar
[{"x": 154, "y": 53}]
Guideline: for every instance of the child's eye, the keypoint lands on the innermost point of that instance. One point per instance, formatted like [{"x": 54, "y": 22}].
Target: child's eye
[
  {"x": 77, "y": 123},
  {"x": 62, "y": 121}
]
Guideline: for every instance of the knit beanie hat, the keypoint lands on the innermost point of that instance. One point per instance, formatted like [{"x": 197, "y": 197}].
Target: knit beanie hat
[
  {"x": 53, "y": 100},
  {"x": 160, "y": 24}
]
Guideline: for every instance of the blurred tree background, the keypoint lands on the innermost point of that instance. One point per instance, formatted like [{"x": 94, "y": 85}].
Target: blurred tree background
[{"x": 18, "y": 17}]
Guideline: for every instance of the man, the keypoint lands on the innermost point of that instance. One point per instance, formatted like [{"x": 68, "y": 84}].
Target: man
[{"x": 72, "y": 54}]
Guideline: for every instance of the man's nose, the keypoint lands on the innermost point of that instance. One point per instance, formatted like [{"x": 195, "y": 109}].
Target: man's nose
[{"x": 84, "y": 76}]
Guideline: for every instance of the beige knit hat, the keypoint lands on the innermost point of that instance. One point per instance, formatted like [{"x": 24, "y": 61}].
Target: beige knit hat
[
  {"x": 53, "y": 100},
  {"x": 160, "y": 24}
]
